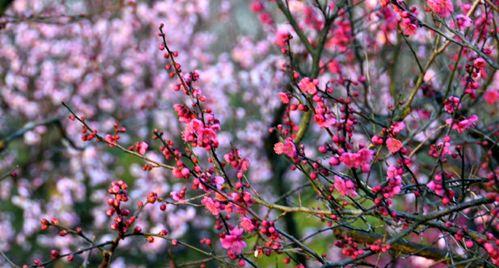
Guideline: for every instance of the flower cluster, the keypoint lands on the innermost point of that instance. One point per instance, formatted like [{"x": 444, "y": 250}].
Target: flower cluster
[
  {"x": 233, "y": 242},
  {"x": 443, "y": 8},
  {"x": 360, "y": 159},
  {"x": 123, "y": 218},
  {"x": 437, "y": 186}
]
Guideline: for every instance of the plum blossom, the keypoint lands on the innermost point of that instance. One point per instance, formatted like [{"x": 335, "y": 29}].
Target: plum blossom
[
  {"x": 211, "y": 205},
  {"x": 140, "y": 147},
  {"x": 233, "y": 242},
  {"x": 461, "y": 126},
  {"x": 394, "y": 179},
  {"x": 308, "y": 86},
  {"x": 397, "y": 127},
  {"x": 443, "y": 8},
  {"x": 436, "y": 185},
  {"x": 180, "y": 171},
  {"x": 441, "y": 149},
  {"x": 491, "y": 96},
  {"x": 284, "y": 97},
  {"x": 323, "y": 117},
  {"x": 452, "y": 104},
  {"x": 179, "y": 196},
  {"x": 287, "y": 148},
  {"x": 408, "y": 26},
  {"x": 185, "y": 115},
  {"x": 247, "y": 224},
  {"x": 345, "y": 187},
  {"x": 463, "y": 21},
  {"x": 481, "y": 68},
  {"x": 281, "y": 38},
  {"x": 377, "y": 140},
  {"x": 393, "y": 145},
  {"x": 200, "y": 135},
  {"x": 325, "y": 120},
  {"x": 361, "y": 159},
  {"x": 237, "y": 162},
  {"x": 493, "y": 251}
]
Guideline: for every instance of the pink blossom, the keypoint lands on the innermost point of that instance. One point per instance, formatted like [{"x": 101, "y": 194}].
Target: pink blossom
[
  {"x": 284, "y": 97},
  {"x": 345, "y": 187},
  {"x": 211, "y": 205},
  {"x": 393, "y": 145},
  {"x": 141, "y": 147},
  {"x": 219, "y": 181},
  {"x": 287, "y": 148},
  {"x": 408, "y": 27},
  {"x": 481, "y": 71},
  {"x": 308, "y": 85},
  {"x": 325, "y": 120},
  {"x": 397, "y": 127},
  {"x": 451, "y": 104},
  {"x": 464, "y": 124},
  {"x": 323, "y": 116},
  {"x": 361, "y": 159},
  {"x": 436, "y": 185},
  {"x": 179, "y": 196},
  {"x": 479, "y": 63},
  {"x": 441, "y": 149},
  {"x": 394, "y": 178},
  {"x": 491, "y": 96},
  {"x": 377, "y": 140},
  {"x": 240, "y": 164},
  {"x": 185, "y": 115},
  {"x": 180, "y": 171},
  {"x": 463, "y": 21},
  {"x": 257, "y": 6},
  {"x": 342, "y": 33},
  {"x": 111, "y": 140},
  {"x": 282, "y": 38},
  {"x": 199, "y": 135},
  {"x": 493, "y": 252},
  {"x": 443, "y": 8},
  {"x": 111, "y": 56},
  {"x": 334, "y": 67},
  {"x": 233, "y": 241},
  {"x": 247, "y": 224}
]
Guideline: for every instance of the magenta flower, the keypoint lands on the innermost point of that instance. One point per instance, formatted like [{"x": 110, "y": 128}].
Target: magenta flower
[
  {"x": 200, "y": 135},
  {"x": 345, "y": 187},
  {"x": 443, "y": 8},
  {"x": 491, "y": 96},
  {"x": 308, "y": 85},
  {"x": 464, "y": 124},
  {"x": 287, "y": 148},
  {"x": 284, "y": 97},
  {"x": 247, "y": 224},
  {"x": 361, "y": 159},
  {"x": 393, "y": 145},
  {"x": 211, "y": 205},
  {"x": 140, "y": 147},
  {"x": 233, "y": 242}
]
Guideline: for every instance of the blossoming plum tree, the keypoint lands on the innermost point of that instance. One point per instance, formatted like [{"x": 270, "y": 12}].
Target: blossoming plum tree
[{"x": 363, "y": 133}]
